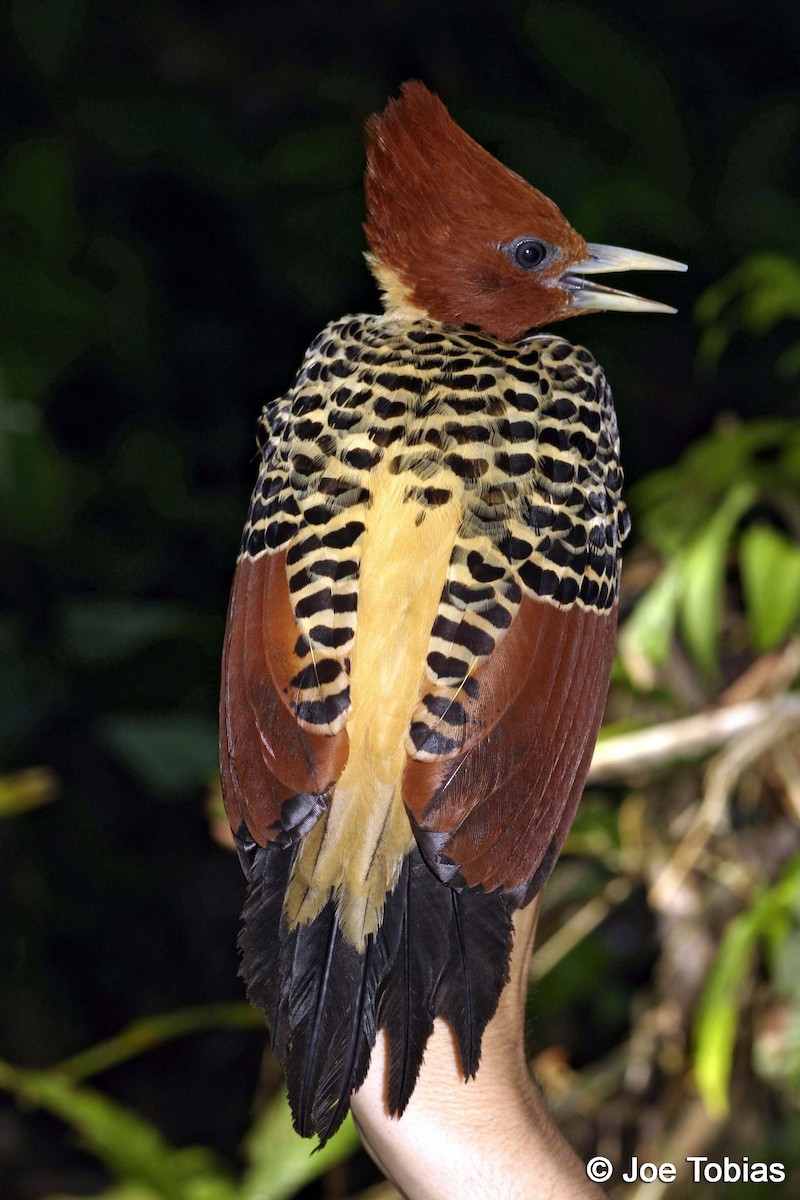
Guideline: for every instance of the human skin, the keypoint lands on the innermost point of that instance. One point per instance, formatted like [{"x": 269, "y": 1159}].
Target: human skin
[{"x": 489, "y": 1138}]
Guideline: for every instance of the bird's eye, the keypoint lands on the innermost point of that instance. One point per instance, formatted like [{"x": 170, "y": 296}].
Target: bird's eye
[{"x": 527, "y": 252}]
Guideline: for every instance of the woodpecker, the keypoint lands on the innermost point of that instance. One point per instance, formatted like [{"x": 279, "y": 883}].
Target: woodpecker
[{"x": 423, "y": 617}]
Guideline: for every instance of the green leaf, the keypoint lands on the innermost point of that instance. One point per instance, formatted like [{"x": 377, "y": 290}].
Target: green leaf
[
  {"x": 757, "y": 295},
  {"x": 703, "y": 573},
  {"x": 595, "y": 832},
  {"x": 169, "y": 753},
  {"x": 97, "y": 631},
  {"x": 648, "y": 631},
  {"x": 25, "y": 790},
  {"x": 132, "y": 1149},
  {"x": 717, "y": 1017},
  {"x": 716, "y": 1023},
  {"x": 769, "y": 564},
  {"x": 149, "y": 1032},
  {"x": 671, "y": 507},
  {"x": 281, "y": 1162}
]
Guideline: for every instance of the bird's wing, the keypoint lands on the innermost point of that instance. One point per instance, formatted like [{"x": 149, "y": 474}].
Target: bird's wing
[
  {"x": 285, "y": 671},
  {"x": 521, "y": 650},
  {"x": 277, "y": 773},
  {"x": 494, "y": 809}
]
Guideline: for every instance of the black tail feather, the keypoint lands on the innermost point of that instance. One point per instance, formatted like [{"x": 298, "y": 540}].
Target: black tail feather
[
  {"x": 331, "y": 1002},
  {"x": 415, "y": 922},
  {"x": 311, "y": 950},
  {"x": 267, "y": 874},
  {"x": 346, "y": 1068},
  {"x": 438, "y": 952},
  {"x": 479, "y": 942}
]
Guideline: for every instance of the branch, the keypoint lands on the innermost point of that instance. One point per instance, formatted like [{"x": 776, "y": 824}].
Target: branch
[{"x": 622, "y": 758}]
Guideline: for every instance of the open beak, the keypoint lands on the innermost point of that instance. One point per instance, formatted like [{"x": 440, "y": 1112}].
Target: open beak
[{"x": 590, "y": 295}]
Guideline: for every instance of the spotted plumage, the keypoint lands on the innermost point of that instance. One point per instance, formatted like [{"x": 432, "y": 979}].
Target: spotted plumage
[
  {"x": 528, "y": 443},
  {"x": 422, "y": 620}
]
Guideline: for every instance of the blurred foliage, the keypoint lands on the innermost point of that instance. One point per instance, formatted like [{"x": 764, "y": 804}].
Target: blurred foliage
[
  {"x": 692, "y": 514},
  {"x": 135, "y": 1153},
  {"x": 775, "y": 918},
  {"x": 180, "y": 211},
  {"x": 25, "y": 790},
  {"x": 759, "y": 294}
]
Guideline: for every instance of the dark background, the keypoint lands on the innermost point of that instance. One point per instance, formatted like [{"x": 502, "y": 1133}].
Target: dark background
[{"x": 180, "y": 212}]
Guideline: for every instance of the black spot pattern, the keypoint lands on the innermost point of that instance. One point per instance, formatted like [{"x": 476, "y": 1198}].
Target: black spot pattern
[{"x": 524, "y": 435}]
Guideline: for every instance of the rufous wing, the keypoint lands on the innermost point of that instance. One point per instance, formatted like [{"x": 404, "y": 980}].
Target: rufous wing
[
  {"x": 276, "y": 774},
  {"x": 495, "y": 813}
]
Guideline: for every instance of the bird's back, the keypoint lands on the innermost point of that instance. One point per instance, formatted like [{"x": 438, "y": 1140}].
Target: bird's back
[{"x": 419, "y": 643}]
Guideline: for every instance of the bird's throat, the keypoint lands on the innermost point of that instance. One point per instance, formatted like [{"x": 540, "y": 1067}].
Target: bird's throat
[{"x": 395, "y": 292}]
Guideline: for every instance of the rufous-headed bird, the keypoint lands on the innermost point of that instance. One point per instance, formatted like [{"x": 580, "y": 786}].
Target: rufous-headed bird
[{"x": 423, "y": 617}]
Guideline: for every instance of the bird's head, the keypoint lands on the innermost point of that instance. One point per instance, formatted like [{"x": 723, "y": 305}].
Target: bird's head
[{"x": 457, "y": 237}]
